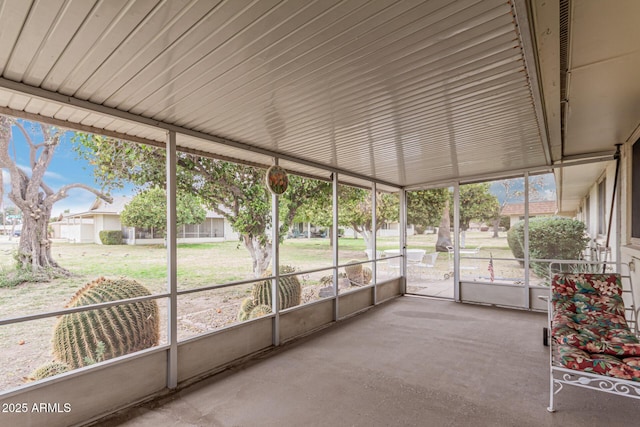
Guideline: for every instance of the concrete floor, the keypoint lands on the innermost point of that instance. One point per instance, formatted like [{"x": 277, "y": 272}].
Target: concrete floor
[{"x": 410, "y": 362}]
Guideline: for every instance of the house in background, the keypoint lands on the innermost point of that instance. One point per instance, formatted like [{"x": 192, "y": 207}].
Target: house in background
[
  {"x": 85, "y": 227},
  {"x": 515, "y": 211}
]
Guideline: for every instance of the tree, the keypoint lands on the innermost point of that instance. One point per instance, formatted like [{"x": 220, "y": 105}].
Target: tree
[
  {"x": 444, "y": 229},
  {"x": 511, "y": 190},
  {"x": 237, "y": 192},
  {"x": 32, "y": 195},
  {"x": 425, "y": 207},
  {"x": 317, "y": 209},
  {"x": 355, "y": 210},
  {"x": 476, "y": 204},
  {"x": 148, "y": 209}
]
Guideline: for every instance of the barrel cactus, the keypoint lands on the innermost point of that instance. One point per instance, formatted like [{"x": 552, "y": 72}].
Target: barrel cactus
[
  {"x": 91, "y": 336},
  {"x": 48, "y": 370},
  {"x": 246, "y": 307},
  {"x": 289, "y": 293},
  {"x": 357, "y": 273},
  {"x": 367, "y": 275},
  {"x": 259, "y": 311}
]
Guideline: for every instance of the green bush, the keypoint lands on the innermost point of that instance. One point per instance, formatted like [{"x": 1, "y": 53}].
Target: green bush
[
  {"x": 111, "y": 237},
  {"x": 515, "y": 240},
  {"x": 549, "y": 238},
  {"x": 505, "y": 222}
]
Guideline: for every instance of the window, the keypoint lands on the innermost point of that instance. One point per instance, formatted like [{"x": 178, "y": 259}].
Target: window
[
  {"x": 635, "y": 190},
  {"x": 602, "y": 207}
]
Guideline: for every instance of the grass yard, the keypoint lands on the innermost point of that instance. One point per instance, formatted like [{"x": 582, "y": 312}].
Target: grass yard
[{"x": 27, "y": 345}]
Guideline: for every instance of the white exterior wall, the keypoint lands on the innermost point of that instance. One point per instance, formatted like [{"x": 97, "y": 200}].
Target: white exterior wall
[
  {"x": 76, "y": 233},
  {"x": 229, "y": 233},
  {"x": 629, "y": 250}
]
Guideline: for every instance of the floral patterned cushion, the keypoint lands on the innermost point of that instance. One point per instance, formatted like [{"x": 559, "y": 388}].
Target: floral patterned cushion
[
  {"x": 590, "y": 327},
  {"x": 602, "y": 364},
  {"x": 589, "y": 314}
]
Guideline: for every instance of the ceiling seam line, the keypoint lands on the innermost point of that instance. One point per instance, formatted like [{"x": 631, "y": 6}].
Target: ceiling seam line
[{"x": 527, "y": 45}]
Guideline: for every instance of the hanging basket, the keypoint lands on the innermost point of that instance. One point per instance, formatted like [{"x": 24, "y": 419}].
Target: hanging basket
[{"x": 277, "y": 180}]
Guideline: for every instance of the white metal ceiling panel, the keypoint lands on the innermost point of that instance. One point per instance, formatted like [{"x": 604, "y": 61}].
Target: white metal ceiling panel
[{"x": 405, "y": 92}]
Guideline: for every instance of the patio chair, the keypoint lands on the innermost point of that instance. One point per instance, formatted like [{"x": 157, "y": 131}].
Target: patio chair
[
  {"x": 393, "y": 265},
  {"x": 428, "y": 261},
  {"x": 591, "y": 343}
]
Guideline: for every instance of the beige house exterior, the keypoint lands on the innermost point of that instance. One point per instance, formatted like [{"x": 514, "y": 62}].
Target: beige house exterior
[
  {"x": 515, "y": 211},
  {"x": 85, "y": 227}
]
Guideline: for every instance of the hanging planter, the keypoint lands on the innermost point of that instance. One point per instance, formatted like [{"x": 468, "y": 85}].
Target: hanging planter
[{"x": 277, "y": 180}]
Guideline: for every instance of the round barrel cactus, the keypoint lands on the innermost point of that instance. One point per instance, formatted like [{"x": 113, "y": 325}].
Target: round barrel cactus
[
  {"x": 48, "y": 370},
  {"x": 259, "y": 311},
  {"x": 91, "y": 336},
  {"x": 289, "y": 293}
]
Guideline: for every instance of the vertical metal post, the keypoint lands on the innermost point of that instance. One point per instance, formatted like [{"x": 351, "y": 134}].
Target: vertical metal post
[
  {"x": 403, "y": 240},
  {"x": 456, "y": 242},
  {"x": 172, "y": 261},
  {"x": 275, "y": 263},
  {"x": 527, "y": 293},
  {"x": 374, "y": 222},
  {"x": 334, "y": 233},
  {"x": 618, "y": 242}
]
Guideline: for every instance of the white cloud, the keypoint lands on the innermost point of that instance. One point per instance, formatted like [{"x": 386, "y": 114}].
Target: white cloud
[
  {"x": 47, "y": 174},
  {"x": 77, "y": 201},
  {"x": 54, "y": 175}
]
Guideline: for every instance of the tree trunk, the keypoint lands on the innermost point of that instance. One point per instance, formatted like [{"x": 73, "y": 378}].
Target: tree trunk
[
  {"x": 444, "y": 231},
  {"x": 34, "y": 249},
  {"x": 496, "y": 227},
  {"x": 260, "y": 254},
  {"x": 367, "y": 236}
]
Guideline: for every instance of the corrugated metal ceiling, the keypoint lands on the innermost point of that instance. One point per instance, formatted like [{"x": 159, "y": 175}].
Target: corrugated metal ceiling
[{"x": 403, "y": 92}]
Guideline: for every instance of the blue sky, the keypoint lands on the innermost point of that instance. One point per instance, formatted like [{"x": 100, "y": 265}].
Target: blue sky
[{"x": 65, "y": 168}]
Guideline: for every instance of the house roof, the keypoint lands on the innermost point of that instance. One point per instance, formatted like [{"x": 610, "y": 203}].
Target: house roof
[
  {"x": 101, "y": 207},
  {"x": 546, "y": 207}
]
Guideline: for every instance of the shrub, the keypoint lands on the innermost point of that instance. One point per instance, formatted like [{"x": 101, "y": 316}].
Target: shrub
[
  {"x": 549, "y": 238},
  {"x": 111, "y": 237},
  {"x": 515, "y": 240},
  {"x": 505, "y": 222}
]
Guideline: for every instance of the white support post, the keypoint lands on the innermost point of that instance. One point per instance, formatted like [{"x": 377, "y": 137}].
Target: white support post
[
  {"x": 403, "y": 240},
  {"x": 527, "y": 294},
  {"x": 334, "y": 233},
  {"x": 456, "y": 242},
  {"x": 172, "y": 276},
  {"x": 275, "y": 263},
  {"x": 374, "y": 222}
]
